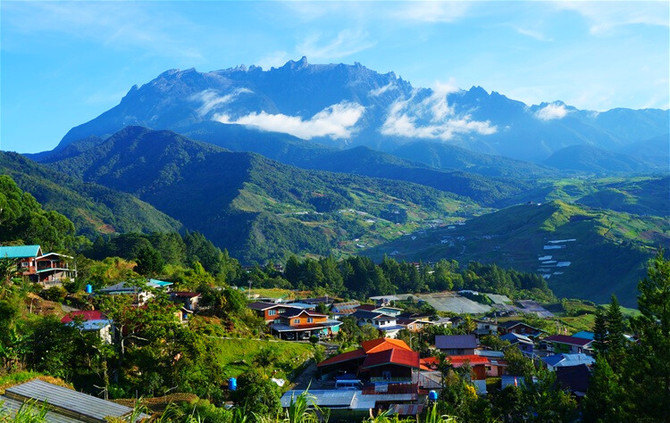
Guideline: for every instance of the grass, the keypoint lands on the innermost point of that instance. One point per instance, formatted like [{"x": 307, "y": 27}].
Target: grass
[{"x": 238, "y": 355}]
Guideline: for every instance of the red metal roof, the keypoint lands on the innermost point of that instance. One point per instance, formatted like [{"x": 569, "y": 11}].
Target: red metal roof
[
  {"x": 565, "y": 339},
  {"x": 396, "y": 356},
  {"x": 185, "y": 294},
  {"x": 84, "y": 315},
  {"x": 473, "y": 359},
  {"x": 340, "y": 358}
]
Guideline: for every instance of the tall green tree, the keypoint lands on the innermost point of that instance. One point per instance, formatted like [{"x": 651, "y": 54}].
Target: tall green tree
[{"x": 647, "y": 373}]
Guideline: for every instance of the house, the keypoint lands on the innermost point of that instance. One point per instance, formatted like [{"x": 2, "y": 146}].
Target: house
[
  {"x": 456, "y": 344},
  {"x": 516, "y": 326},
  {"x": 91, "y": 321},
  {"x": 378, "y": 361},
  {"x": 497, "y": 365},
  {"x": 524, "y": 343},
  {"x": 142, "y": 294},
  {"x": 486, "y": 327},
  {"x": 52, "y": 269},
  {"x": 158, "y": 284},
  {"x": 413, "y": 324},
  {"x": 389, "y": 311},
  {"x": 480, "y": 367},
  {"x": 270, "y": 311},
  {"x": 296, "y": 324},
  {"x": 567, "y": 344},
  {"x": 189, "y": 300},
  {"x": 344, "y": 308},
  {"x": 576, "y": 379},
  {"x": 23, "y": 255},
  {"x": 556, "y": 361},
  {"x": 64, "y": 405},
  {"x": 385, "y": 323}
]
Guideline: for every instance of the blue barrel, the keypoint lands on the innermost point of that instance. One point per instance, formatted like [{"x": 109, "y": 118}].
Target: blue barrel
[
  {"x": 432, "y": 395},
  {"x": 232, "y": 384},
  {"x": 89, "y": 289}
]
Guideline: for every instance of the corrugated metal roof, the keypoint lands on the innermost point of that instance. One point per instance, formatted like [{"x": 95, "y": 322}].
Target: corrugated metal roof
[
  {"x": 571, "y": 340},
  {"x": 19, "y": 251},
  {"x": 323, "y": 398},
  {"x": 66, "y": 399},
  {"x": 395, "y": 356},
  {"x": 340, "y": 358}
]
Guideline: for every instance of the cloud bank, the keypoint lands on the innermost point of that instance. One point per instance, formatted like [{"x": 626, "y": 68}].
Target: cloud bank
[
  {"x": 552, "y": 112},
  {"x": 431, "y": 117},
  {"x": 336, "y": 121}
]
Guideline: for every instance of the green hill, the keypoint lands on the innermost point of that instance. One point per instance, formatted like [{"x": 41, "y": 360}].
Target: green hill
[
  {"x": 257, "y": 208},
  {"x": 94, "y": 209},
  {"x": 593, "y": 252}
]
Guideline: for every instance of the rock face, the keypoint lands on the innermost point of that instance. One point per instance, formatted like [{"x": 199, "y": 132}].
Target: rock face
[{"x": 344, "y": 105}]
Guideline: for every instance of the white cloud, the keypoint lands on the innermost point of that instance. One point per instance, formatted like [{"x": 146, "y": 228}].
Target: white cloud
[
  {"x": 211, "y": 99},
  {"x": 603, "y": 18},
  {"x": 432, "y": 11},
  {"x": 532, "y": 34},
  {"x": 381, "y": 90},
  {"x": 551, "y": 112},
  {"x": 336, "y": 121},
  {"x": 431, "y": 117},
  {"x": 346, "y": 43}
]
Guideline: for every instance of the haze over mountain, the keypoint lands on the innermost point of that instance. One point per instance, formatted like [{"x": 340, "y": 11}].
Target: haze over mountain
[{"x": 346, "y": 105}]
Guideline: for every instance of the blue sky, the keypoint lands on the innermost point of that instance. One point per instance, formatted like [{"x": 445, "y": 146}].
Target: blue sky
[{"x": 63, "y": 63}]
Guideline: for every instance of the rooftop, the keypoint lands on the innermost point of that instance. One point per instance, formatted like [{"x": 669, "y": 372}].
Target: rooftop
[
  {"x": 444, "y": 342},
  {"x": 565, "y": 339},
  {"x": 84, "y": 315},
  {"x": 67, "y": 401},
  {"x": 19, "y": 251}
]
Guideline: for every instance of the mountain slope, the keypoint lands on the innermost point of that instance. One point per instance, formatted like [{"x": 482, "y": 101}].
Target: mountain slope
[
  {"x": 584, "y": 253},
  {"x": 94, "y": 209},
  {"x": 446, "y": 156},
  {"x": 347, "y": 105},
  {"x": 256, "y": 207},
  {"x": 584, "y": 158}
]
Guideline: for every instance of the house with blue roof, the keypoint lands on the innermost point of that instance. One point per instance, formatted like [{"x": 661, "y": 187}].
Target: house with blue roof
[
  {"x": 524, "y": 343},
  {"x": 50, "y": 269},
  {"x": 584, "y": 334},
  {"x": 555, "y": 361}
]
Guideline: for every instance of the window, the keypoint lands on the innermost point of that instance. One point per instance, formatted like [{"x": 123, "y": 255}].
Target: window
[
  {"x": 296, "y": 320},
  {"x": 310, "y": 320},
  {"x": 272, "y": 312}
]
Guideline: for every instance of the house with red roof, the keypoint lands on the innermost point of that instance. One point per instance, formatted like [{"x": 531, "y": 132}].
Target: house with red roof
[
  {"x": 568, "y": 344},
  {"x": 91, "y": 321},
  {"x": 379, "y": 361}
]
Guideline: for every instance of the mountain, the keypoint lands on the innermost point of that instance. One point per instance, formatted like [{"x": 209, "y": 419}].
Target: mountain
[
  {"x": 446, "y": 156},
  {"x": 654, "y": 151},
  {"x": 94, "y": 209},
  {"x": 348, "y": 105},
  {"x": 257, "y": 208},
  {"x": 586, "y": 158},
  {"x": 583, "y": 253}
]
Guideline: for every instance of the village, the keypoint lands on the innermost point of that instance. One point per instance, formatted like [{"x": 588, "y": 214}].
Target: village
[{"x": 412, "y": 343}]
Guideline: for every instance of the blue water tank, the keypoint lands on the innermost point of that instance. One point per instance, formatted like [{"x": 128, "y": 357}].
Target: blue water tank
[
  {"x": 89, "y": 289},
  {"x": 232, "y": 384},
  {"x": 432, "y": 395}
]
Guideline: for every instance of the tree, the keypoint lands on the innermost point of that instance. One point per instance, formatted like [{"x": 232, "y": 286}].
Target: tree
[
  {"x": 616, "y": 341},
  {"x": 149, "y": 262},
  {"x": 605, "y": 398},
  {"x": 647, "y": 372},
  {"x": 600, "y": 332},
  {"x": 257, "y": 394}
]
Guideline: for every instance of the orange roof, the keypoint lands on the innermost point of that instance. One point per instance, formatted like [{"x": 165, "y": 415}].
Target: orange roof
[{"x": 383, "y": 344}]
